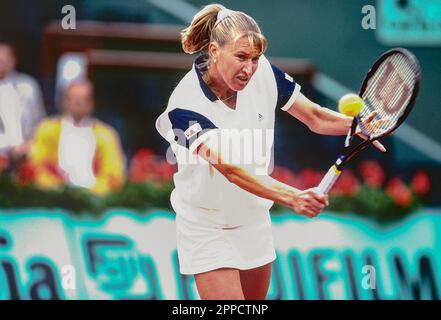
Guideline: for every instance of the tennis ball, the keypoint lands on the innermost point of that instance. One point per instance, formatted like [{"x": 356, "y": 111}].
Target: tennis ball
[{"x": 350, "y": 104}]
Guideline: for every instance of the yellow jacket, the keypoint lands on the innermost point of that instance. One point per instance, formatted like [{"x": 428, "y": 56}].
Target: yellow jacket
[{"x": 109, "y": 162}]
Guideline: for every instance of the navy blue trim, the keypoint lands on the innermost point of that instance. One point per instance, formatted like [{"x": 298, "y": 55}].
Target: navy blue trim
[
  {"x": 205, "y": 89},
  {"x": 285, "y": 88},
  {"x": 182, "y": 119}
]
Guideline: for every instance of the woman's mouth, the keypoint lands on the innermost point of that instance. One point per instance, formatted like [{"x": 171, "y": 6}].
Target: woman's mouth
[{"x": 243, "y": 80}]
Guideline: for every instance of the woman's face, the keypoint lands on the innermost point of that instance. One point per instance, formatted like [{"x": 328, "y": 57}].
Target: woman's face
[{"x": 236, "y": 63}]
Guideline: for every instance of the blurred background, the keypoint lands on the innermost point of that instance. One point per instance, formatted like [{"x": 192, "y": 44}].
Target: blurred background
[{"x": 130, "y": 53}]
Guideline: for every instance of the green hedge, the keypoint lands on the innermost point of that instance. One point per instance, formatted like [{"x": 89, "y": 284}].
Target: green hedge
[{"x": 369, "y": 202}]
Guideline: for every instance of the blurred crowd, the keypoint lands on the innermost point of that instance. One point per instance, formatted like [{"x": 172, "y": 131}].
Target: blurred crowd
[{"x": 72, "y": 147}]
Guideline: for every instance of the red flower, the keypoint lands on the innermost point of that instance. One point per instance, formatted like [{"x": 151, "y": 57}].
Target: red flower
[
  {"x": 399, "y": 192},
  {"x": 96, "y": 166},
  {"x": 308, "y": 178},
  {"x": 144, "y": 153},
  {"x": 141, "y": 165},
  {"x": 55, "y": 170},
  {"x": 372, "y": 173},
  {"x": 284, "y": 175},
  {"x": 346, "y": 185},
  {"x": 25, "y": 173},
  {"x": 146, "y": 166},
  {"x": 136, "y": 175},
  {"x": 421, "y": 183},
  {"x": 4, "y": 162},
  {"x": 166, "y": 170}
]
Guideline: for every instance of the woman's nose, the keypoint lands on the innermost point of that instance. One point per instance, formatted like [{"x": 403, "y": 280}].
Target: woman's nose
[{"x": 248, "y": 68}]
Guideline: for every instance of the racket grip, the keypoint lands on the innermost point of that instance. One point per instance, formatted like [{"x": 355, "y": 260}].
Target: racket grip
[{"x": 328, "y": 180}]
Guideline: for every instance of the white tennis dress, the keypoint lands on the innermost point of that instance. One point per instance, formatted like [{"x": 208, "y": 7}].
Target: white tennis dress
[{"x": 218, "y": 224}]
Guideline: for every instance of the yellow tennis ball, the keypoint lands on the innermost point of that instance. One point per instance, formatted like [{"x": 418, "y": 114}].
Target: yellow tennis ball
[{"x": 350, "y": 104}]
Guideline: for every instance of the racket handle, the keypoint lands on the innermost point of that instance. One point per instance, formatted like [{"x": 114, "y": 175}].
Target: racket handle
[{"x": 328, "y": 180}]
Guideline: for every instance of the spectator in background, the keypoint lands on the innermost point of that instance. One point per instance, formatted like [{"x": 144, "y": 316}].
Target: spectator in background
[
  {"x": 21, "y": 107},
  {"x": 76, "y": 148}
]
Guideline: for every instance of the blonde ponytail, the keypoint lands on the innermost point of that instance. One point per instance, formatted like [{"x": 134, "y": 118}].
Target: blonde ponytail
[
  {"x": 229, "y": 28},
  {"x": 196, "y": 37}
]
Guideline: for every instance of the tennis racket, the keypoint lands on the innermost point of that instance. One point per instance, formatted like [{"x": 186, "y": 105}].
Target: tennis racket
[{"x": 390, "y": 88}]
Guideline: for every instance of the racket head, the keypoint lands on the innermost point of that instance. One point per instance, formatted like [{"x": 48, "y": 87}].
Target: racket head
[{"x": 390, "y": 88}]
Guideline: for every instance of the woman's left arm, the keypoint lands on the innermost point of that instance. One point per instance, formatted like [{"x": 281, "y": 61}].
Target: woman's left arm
[
  {"x": 325, "y": 121},
  {"x": 319, "y": 119}
]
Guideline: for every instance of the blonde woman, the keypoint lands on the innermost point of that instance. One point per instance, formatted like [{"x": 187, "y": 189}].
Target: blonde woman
[{"x": 219, "y": 122}]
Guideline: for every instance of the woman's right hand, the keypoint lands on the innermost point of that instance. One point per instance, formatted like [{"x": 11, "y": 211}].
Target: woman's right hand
[{"x": 309, "y": 203}]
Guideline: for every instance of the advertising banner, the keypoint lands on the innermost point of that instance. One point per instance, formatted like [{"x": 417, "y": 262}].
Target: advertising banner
[{"x": 124, "y": 255}]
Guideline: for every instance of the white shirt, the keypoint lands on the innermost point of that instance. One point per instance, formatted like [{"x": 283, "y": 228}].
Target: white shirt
[
  {"x": 21, "y": 108},
  {"x": 11, "y": 110},
  {"x": 76, "y": 151},
  {"x": 243, "y": 136}
]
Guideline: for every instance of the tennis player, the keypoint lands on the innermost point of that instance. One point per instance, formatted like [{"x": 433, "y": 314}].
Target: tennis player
[{"x": 220, "y": 122}]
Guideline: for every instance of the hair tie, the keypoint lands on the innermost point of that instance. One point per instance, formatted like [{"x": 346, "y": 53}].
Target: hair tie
[{"x": 224, "y": 13}]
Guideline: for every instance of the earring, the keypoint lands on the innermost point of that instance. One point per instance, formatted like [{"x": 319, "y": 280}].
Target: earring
[{"x": 214, "y": 60}]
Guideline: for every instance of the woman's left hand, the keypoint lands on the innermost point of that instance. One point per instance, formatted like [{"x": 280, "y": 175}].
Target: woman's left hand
[{"x": 370, "y": 123}]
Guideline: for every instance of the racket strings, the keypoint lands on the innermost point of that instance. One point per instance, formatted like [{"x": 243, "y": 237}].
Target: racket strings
[{"x": 388, "y": 92}]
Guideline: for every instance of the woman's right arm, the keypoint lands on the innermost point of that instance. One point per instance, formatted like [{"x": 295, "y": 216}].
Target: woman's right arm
[{"x": 306, "y": 202}]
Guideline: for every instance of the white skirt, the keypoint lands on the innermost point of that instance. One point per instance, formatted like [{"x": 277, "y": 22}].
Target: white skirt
[{"x": 204, "y": 247}]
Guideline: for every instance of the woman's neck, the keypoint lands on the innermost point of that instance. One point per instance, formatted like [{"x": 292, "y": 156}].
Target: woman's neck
[{"x": 220, "y": 88}]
